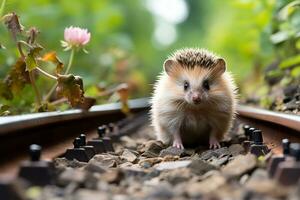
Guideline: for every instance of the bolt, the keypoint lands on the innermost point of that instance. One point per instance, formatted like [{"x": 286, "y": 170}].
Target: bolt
[
  {"x": 82, "y": 139},
  {"x": 77, "y": 142},
  {"x": 35, "y": 152},
  {"x": 101, "y": 131},
  {"x": 285, "y": 146},
  {"x": 250, "y": 132},
  {"x": 246, "y": 128},
  {"x": 257, "y": 137},
  {"x": 295, "y": 150}
]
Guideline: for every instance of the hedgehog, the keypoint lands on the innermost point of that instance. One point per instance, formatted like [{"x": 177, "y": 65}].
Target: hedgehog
[{"x": 194, "y": 99}]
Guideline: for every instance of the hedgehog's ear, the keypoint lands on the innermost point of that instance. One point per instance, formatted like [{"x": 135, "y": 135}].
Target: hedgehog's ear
[
  {"x": 169, "y": 66},
  {"x": 219, "y": 68}
]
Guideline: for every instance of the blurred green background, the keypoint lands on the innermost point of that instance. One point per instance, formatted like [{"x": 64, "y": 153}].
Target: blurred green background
[{"x": 131, "y": 38}]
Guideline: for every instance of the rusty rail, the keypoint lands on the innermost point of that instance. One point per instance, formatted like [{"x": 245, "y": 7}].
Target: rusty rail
[
  {"x": 13, "y": 123},
  {"x": 287, "y": 120}
]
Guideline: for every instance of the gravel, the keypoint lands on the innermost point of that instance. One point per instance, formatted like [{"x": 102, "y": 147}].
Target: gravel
[{"x": 144, "y": 168}]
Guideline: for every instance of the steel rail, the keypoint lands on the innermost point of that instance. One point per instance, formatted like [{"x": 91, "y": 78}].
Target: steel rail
[
  {"x": 13, "y": 123},
  {"x": 283, "y": 119}
]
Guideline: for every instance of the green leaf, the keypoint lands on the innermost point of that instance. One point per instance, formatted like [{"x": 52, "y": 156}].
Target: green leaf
[
  {"x": 2, "y": 7},
  {"x": 287, "y": 10},
  {"x": 71, "y": 87},
  {"x": 290, "y": 62},
  {"x": 279, "y": 37},
  {"x": 31, "y": 63},
  {"x": 295, "y": 72},
  {"x": 2, "y": 47},
  {"x": 274, "y": 73},
  {"x": 298, "y": 44},
  {"x": 31, "y": 58}
]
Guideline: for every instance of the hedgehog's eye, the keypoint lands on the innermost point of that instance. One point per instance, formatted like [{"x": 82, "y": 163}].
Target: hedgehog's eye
[
  {"x": 186, "y": 85},
  {"x": 205, "y": 85}
]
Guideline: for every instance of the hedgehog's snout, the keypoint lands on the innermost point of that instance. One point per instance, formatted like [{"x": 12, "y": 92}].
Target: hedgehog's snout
[{"x": 196, "y": 98}]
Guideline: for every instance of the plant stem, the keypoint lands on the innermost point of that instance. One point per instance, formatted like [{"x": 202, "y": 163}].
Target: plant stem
[
  {"x": 59, "y": 101},
  {"x": 46, "y": 73},
  {"x": 66, "y": 72},
  {"x": 70, "y": 61},
  {"x": 31, "y": 75},
  {"x": 2, "y": 7},
  {"x": 50, "y": 92},
  {"x": 20, "y": 50},
  {"x": 19, "y": 45},
  {"x": 37, "y": 93}
]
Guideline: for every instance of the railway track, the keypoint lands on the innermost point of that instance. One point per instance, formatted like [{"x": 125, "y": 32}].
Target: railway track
[{"x": 56, "y": 132}]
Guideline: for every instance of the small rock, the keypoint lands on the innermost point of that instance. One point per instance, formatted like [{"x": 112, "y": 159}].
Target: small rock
[
  {"x": 48, "y": 193},
  {"x": 93, "y": 166},
  {"x": 209, "y": 185},
  {"x": 236, "y": 149},
  {"x": 129, "y": 156},
  {"x": 62, "y": 163},
  {"x": 152, "y": 182},
  {"x": 134, "y": 171},
  {"x": 259, "y": 183},
  {"x": 200, "y": 167},
  {"x": 113, "y": 176},
  {"x": 128, "y": 142},
  {"x": 176, "y": 176},
  {"x": 161, "y": 191},
  {"x": 125, "y": 164},
  {"x": 171, "y": 151},
  {"x": 294, "y": 195},
  {"x": 208, "y": 154},
  {"x": 244, "y": 179},
  {"x": 209, "y": 174},
  {"x": 240, "y": 165},
  {"x": 149, "y": 154},
  {"x": 189, "y": 152},
  {"x": 172, "y": 165},
  {"x": 222, "y": 152},
  {"x": 292, "y": 105},
  {"x": 259, "y": 174},
  {"x": 149, "y": 162},
  {"x": 71, "y": 176},
  {"x": 84, "y": 194},
  {"x": 107, "y": 160},
  {"x": 218, "y": 162},
  {"x": 134, "y": 190},
  {"x": 170, "y": 158},
  {"x": 151, "y": 149},
  {"x": 91, "y": 181},
  {"x": 121, "y": 197}
]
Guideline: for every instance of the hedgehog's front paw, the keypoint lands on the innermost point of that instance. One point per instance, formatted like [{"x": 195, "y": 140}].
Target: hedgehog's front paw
[
  {"x": 214, "y": 143},
  {"x": 178, "y": 144}
]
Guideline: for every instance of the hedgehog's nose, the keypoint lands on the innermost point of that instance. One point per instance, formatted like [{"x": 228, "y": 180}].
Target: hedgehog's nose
[{"x": 196, "y": 98}]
